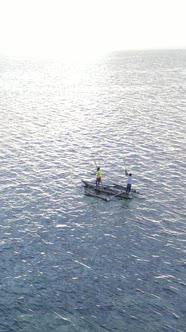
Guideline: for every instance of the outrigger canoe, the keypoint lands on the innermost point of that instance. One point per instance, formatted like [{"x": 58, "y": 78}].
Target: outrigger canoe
[{"x": 107, "y": 189}]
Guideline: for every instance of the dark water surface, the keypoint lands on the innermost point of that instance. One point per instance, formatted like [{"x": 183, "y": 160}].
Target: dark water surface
[{"x": 69, "y": 262}]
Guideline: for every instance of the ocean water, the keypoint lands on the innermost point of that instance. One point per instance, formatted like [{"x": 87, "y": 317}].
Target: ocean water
[{"x": 72, "y": 263}]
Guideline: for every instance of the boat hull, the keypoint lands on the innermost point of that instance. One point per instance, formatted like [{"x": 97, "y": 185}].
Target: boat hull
[{"x": 106, "y": 189}]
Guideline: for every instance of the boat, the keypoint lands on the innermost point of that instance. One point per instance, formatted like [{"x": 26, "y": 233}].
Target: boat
[{"x": 107, "y": 189}]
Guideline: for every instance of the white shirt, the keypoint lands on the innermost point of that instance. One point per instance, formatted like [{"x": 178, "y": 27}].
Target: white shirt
[{"x": 129, "y": 180}]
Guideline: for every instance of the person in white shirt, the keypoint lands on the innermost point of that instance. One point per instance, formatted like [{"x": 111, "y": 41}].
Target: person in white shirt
[{"x": 129, "y": 182}]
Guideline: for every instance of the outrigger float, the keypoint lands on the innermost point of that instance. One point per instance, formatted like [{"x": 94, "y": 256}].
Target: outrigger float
[{"x": 114, "y": 190}]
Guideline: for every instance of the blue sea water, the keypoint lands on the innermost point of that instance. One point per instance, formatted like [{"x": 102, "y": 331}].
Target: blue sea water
[{"x": 74, "y": 263}]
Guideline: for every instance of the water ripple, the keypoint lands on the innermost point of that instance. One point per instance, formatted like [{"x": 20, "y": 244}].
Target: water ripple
[{"x": 70, "y": 262}]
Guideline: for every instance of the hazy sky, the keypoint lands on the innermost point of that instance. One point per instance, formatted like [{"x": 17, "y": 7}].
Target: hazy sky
[{"x": 76, "y": 27}]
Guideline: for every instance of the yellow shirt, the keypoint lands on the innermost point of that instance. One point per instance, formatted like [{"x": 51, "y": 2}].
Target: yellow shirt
[{"x": 98, "y": 174}]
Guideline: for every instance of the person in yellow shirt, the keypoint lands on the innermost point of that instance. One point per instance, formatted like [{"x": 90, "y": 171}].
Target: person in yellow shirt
[{"x": 98, "y": 176}]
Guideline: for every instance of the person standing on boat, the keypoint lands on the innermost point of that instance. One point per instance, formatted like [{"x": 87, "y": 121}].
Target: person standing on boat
[
  {"x": 129, "y": 181},
  {"x": 98, "y": 176}
]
